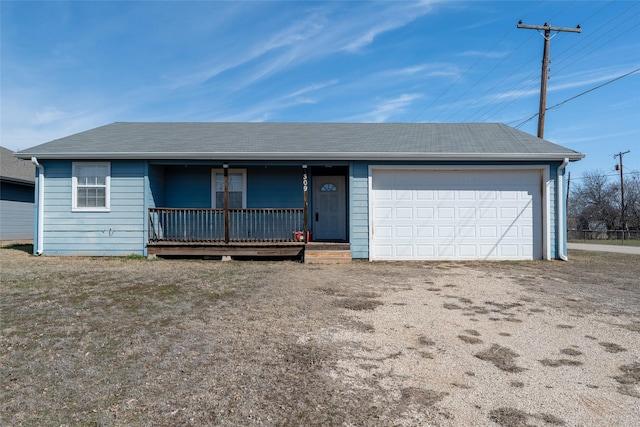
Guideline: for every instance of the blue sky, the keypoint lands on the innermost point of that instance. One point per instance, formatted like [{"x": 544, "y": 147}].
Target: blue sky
[{"x": 68, "y": 66}]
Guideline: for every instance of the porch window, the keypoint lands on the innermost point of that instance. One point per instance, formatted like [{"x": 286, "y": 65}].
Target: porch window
[
  {"x": 91, "y": 185},
  {"x": 237, "y": 188}
]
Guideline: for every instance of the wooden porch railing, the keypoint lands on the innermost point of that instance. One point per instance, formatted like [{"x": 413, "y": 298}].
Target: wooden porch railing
[{"x": 208, "y": 225}]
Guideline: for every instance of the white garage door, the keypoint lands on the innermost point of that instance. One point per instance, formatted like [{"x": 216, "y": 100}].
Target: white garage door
[{"x": 455, "y": 215}]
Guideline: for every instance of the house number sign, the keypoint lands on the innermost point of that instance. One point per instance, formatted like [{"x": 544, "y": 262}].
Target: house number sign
[{"x": 305, "y": 185}]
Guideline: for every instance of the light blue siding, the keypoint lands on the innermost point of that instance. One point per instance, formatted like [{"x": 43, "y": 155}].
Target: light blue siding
[
  {"x": 557, "y": 232},
  {"x": 117, "y": 232},
  {"x": 553, "y": 223},
  {"x": 137, "y": 186},
  {"x": 359, "y": 210}
]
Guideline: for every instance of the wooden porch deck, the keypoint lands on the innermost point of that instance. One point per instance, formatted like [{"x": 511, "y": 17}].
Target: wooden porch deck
[{"x": 311, "y": 252}]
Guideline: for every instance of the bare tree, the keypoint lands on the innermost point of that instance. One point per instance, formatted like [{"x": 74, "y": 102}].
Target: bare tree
[
  {"x": 595, "y": 202},
  {"x": 632, "y": 201}
]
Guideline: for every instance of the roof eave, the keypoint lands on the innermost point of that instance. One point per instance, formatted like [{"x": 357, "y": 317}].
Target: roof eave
[
  {"x": 18, "y": 181},
  {"x": 305, "y": 156}
]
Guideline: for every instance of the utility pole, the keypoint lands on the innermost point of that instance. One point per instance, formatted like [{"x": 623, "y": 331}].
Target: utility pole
[
  {"x": 545, "y": 65},
  {"x": 619, "y": 167}
]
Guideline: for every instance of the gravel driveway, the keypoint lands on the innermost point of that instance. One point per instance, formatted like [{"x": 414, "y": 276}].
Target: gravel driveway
[{"x": 479, "y": 347}]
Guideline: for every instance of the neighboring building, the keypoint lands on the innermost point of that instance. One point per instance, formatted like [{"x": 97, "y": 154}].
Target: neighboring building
[
  {"x": 17, "y": 178},
  {"x": 380, "y": 191}
]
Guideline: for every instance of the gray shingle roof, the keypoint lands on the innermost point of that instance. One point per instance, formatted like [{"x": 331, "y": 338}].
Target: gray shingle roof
[
  {"x": 15, "y": 170},
  {"x": 302, "y": 141}
]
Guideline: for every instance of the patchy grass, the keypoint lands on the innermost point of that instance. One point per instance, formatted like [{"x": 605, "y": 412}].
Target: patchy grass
[
  {"x": 565, "y": 326},
  {"x": 501, "y": 357},
  {"x": 509, "y": 417},
  {"x": 554, "y": 363},
  {"x": 423, "y": 340},
  {"x": 597, "y": 274},
  {"x": 422, "y": 397},
  {"x": 125, "y": 341},
  {"x": 571, "y": 352},
  {"x": 629, "y": 379},
  {"x": 512, "y": 417},
  {"x": 633, "y": 326},
  {"x": 470, "y": 340},
  {"x": 358, "y": 304},
  {"x": 612, "y": 347},
  {"x": 23, "y": 247}
]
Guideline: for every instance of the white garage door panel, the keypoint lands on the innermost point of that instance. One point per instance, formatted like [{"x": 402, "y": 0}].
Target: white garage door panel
[{"x": 428, "y": 214}]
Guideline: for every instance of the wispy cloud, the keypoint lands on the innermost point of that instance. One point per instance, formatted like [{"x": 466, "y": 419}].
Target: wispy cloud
[
  {"x": 388, "y": 108},
  {"x": 589, "y": 78},
  {"x": 485, "y": 54},
  {"x": 321, "y": 32},
  {"x": 383, "y": 20},
  {"x": 437, "y": 69},
  {"x": 269, "y": 108},
  {"x": 25, "y": 125},
  {"x": 312, "y": 88},
  {"x": 531, "y": 87},
  {"x": 571, "y": 137}
]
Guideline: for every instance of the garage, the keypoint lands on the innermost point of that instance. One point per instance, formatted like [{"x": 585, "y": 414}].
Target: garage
[{"x": 461, "y": 214}]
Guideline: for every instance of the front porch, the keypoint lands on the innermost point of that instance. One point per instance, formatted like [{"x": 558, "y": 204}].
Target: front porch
[
  {"x": 269, "y": 232},
  {"x": 246, "y": 209}
]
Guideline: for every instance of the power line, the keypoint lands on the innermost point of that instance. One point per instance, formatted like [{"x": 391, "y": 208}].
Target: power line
[
  {"x": 574, "y": 52},
  {"x": 516, "y": 95},
  {"x": 526, "y": 120},
  {"x": 487, "y": 111},
  {"x": 631, "y": 174},
  {"x": 473, "y": 66},
  {"x": 560, "y": 104},
  {"x": 481, "y": 79},
  {"x": 503, "y": 79},
  {"x": 496, "y": 66}
]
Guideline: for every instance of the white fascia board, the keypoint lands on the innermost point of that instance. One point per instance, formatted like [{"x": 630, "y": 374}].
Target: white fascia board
[{"x": 383, "y": 156}]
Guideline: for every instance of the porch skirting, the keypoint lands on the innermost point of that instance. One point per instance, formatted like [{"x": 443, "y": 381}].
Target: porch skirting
[{"x": 310, "y": 252}]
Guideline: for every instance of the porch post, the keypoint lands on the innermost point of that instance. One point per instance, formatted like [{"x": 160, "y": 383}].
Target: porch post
[
  {"x": 226, "y": 202},
  {"x": 305, "y": 211}
]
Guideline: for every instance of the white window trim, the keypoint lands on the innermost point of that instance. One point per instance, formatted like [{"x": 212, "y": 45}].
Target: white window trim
[
  {"x": 243, "y": 172},
  {"x": 74, "y": 188}
]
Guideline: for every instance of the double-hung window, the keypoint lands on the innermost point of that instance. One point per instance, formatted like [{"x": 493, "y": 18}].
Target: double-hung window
[
  {"x": 91, "y": 184},
  {"x": 237, "y": 188}
]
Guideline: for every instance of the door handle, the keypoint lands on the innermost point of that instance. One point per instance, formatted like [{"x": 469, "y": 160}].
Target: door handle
[{"x": 316, "y": 216}]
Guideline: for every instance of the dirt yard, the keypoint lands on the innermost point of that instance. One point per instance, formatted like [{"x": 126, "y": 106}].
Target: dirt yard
[{"x": 114, "y": 342}]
